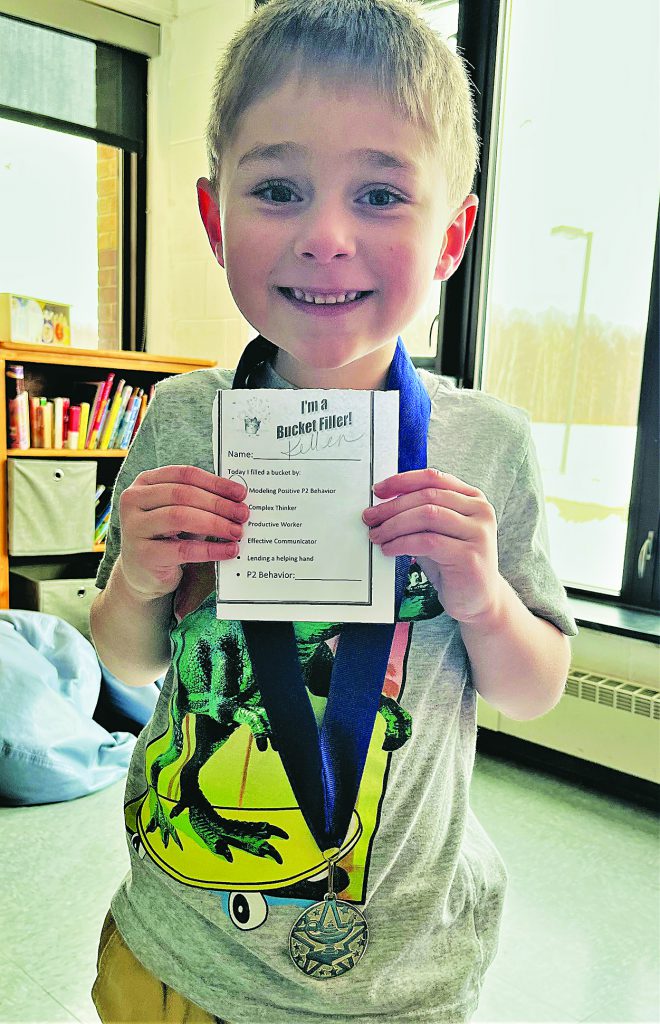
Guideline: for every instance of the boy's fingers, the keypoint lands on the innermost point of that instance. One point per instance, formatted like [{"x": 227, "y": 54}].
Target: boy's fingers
[
  {"x": 204, "y": 551},
  {"x": 450, "y": 500},
  {"x": 414, "y": 480},
  {"x": 167, "y": 495},
  {"x": 195, "y": 477},
  {"x": 418, "y": 520},
  {"x": 174, "y": 519},
  {"x": 178, "y": 552}
]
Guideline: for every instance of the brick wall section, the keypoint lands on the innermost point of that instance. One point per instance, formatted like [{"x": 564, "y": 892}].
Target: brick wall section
[{"x": 107, "y": 178}]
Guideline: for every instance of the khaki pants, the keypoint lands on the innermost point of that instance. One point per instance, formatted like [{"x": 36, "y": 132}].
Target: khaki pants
[{"x": 125, "y": 992}]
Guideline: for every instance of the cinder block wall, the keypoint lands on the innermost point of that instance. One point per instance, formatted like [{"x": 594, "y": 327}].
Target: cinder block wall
[{"x": 190, "y": 310}]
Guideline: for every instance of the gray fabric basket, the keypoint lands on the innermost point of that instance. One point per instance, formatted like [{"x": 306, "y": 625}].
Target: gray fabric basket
[
  {"x": 51, "y": 506},
  {"x": 56, "y": 588}
]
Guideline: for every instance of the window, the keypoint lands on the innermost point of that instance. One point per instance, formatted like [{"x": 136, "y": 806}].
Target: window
[
  {"x": 72, "y": 179},
  {"x": 575, "y": 200},
  {"x": 60, "y": 217}
]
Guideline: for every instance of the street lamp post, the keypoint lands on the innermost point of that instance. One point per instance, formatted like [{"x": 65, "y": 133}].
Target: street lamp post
[{"x": 572, "y": 232}]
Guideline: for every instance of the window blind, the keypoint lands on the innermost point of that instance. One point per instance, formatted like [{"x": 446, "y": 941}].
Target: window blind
[{"x": 67, "y": 82}]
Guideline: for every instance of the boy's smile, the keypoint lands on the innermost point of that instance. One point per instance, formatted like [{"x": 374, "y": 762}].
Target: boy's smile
[{"x": 328, "y": 212}]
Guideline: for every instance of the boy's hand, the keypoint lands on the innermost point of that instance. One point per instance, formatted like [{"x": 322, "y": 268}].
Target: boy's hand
[
  {"x": 173, "y": 515},
  {"x": 451, "y": 530}
]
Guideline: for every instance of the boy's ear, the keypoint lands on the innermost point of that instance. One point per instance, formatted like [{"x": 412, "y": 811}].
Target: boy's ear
[
  {"x": 210, "y": 214},
  {"x": 457, "y": 237}
]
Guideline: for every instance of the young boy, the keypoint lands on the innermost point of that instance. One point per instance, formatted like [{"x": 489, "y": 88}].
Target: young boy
[{"x": 377, "y": 202}]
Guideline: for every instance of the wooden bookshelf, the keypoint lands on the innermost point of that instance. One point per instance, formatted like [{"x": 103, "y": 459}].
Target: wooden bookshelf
[
  {"x": 67, "y": 453},
  {"x": 58, "y": 365}
]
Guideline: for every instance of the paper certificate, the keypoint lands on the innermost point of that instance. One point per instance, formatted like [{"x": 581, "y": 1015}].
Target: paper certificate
[{"x": 309, "y": 459}]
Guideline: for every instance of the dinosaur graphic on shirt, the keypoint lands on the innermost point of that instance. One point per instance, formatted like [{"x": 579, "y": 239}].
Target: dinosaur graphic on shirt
[
  {"x": 219, "y": 811},
  {"x": 216, "y": 685}
]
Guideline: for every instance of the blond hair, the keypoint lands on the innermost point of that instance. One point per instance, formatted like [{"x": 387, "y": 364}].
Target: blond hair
[{"x": 382, "y": 43}]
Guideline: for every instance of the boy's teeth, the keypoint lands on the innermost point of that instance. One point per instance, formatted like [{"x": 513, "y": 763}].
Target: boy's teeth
[{"x": 323, "y": 299}]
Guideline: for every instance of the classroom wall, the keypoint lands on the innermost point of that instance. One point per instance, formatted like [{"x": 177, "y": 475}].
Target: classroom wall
[{"x": 189, "y": 308}]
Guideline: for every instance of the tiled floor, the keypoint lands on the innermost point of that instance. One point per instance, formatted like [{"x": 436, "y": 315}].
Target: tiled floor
[{"x": 581, "y": 932}]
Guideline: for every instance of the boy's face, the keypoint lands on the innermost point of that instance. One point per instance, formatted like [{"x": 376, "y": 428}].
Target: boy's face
[{"x": 329, "y": 223}]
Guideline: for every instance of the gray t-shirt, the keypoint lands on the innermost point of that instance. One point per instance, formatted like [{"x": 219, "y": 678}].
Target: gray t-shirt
[{"x": 222, "y": 863}]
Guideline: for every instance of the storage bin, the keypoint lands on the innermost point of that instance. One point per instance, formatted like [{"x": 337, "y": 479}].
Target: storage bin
[
  {"x": 51, "y": 506},
  {"x": 58, "y": 588}
]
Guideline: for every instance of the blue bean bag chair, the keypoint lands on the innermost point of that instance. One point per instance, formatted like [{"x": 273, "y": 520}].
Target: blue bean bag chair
[{"x": 51, "y": 681}]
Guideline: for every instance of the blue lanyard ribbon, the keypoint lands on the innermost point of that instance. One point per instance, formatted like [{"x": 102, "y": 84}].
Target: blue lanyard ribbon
[{"x": 325, "y": 769}]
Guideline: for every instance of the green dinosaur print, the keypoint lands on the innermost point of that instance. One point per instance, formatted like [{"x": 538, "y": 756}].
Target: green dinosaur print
[
  {"x": 215, "y": 686},
  {"x": 420, "y": 600}
]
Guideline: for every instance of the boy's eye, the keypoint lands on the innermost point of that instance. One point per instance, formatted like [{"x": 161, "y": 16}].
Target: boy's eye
[{"x": 279, "y": 186}]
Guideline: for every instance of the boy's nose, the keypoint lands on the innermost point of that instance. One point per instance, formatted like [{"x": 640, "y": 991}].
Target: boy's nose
[
  {"x": 325, "y": 245},
  {"x": 326, "y": 231}
]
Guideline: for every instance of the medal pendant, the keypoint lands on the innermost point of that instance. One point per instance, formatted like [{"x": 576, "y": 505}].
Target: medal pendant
[{"x": 329, "y": 938}]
